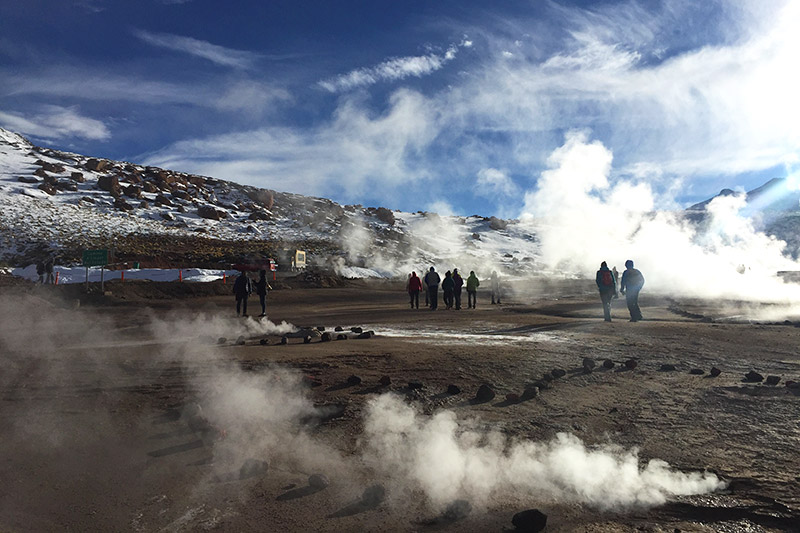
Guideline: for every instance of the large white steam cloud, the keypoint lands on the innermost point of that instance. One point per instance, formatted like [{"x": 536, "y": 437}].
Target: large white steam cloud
[
  {"x": 449, "y": 459},
  {"x": 582, "y": 218}
]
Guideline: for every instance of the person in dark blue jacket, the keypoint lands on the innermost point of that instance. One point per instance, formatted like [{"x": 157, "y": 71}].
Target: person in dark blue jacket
[
  {"x": 242, "y": 289},
  {"x": 632, "y": 282},
  {"x": 607, "y": 285}
]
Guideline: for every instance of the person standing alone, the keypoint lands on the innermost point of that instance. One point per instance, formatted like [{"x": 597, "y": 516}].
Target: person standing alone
[
  {"x": 472, "y": 289},
  {"x": 608, "y": 288},
  {"x": 630, "y": 285}
]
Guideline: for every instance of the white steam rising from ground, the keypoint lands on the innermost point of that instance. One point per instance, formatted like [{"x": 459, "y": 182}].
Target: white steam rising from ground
[{"x": 449, "y": 459}]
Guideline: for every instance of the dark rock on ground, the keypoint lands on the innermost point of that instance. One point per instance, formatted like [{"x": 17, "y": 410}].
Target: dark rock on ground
[
  {"x": 354, "y": 380},
  {"x": 589, "y": 363},
  {"x": 365, "y": 335},
  {"x": 27, "y": 179},
  {"x": 715, "y": 372},
  {"x": 512, "y": 397},
  {"x": 253, "y": 467},
  {"x": 772, "y": 380},
  {"x": 530, "y": 521},
  {"x": 415, "y": 385},
  {"x": 608, "y": 363},
  {"x": 453, "y": 389},
  {"x": 558, "y": 373},
  {"x": 240, "y": 340},
  {"x": 284, "y": 340},
  {"x": 697, "y": 371},
  {"x": 356, "y": 329},
  {"x": 631, "y": 364},
  {"x": 318, "y": 481},
  {"x": 222, "y": 340},
  {"x": 341, "y": 337},
  {"x": 457, "y": 510},
  {"x": 531, "y": 391},
  {"x": 307, "y": 339},
  {"x": 338, "y": 328},
  {"x": 753, "y": 377},
  {"x": 263, "y": 342},
  {"x": 311, "y": 381},
  {"x": 325, "y": 337},
  {"x": 485, "y": 393},
  {"x": 666, "y": 367},
  {"x": 385, "y": 381},
  {"x": 373, "y": 495}
]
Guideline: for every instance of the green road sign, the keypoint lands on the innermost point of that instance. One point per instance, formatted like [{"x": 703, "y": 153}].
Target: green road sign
[{"x": 95, "y": 258}]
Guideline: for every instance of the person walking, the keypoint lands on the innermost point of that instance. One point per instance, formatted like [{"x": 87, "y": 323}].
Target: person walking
[
  {"x": 607, "y": 286},
  {"x": 48, "y": 270},
  {"x": 630, "y": 285},
  {"x": 414, "y": 288},
  {"x": 242, "y": 289},
  {"x": 448, "y": 286},
  {"x": 40, "y": 271},
  {"x": 472, "y": 289},
  {"x": 459, "y": 283},
  {"x": 432, "y": 280},
  {"x": 262, "y": 286},
  {"x": 495, "y": 287}
]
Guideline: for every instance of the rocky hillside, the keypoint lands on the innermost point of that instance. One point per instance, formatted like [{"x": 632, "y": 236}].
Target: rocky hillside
[{"x": 62, "y": 203}]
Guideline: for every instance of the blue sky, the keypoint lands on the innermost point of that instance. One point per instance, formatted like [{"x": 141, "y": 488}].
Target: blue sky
[{"x": 453, "y": 106}]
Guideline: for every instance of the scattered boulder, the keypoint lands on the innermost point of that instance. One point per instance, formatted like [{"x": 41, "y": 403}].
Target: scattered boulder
[
  {"x": 666, "y": 367},
  {"x": 284, "y": 340},
  {"x": 181, "y": 194},
  {"x": 531, "y": 391},
  {"x": 630, "y": 364},
  {"x": 476, "y": 236},
  {"x": 457, "y": 510},
  {"x": 307, "y": 339},
  {"x": 608, "y": 363},
  {"x": 259, "y": 214},
  {"x": 222, "y": 340},
  {"x": 41, "y": 173},
  {"x": 356, "y": 329},
  {"x": 132, "y": 191},
  {"x": 772, "y": 380},
  {"x": 325, "y": 337},
  {"x": 253, "y": 467},
  {"x": 354, "y": 380},
  {"x": 792, "y": 384},
  {"x": 512, "y": 397},
  {"x": 385, "y": 215},
  {"x": 497, "y": 223},
  {"x": 715, "y": 372},
  {"x": 338, "y": 328},
  {"x": 27, "y": 179},
  {"x": 163, "y": 200},
  {"x": 66, "y": 185},
  {"x": 263, "y": 342},
  {"x": 530, "y": 521},
  {"x": 149, "y": 187},
  {"x": 485, "y": 393},
  {"x": 453, "y": 389},
  {"x": 365, "y": 335},
  {"x": 167, "y": 216},
  {"x": 96, "y": 165},
  {"x": 589, "y": 363},
  {"x": 341, "y": 337},
  {"x": 311, "y": 381},
  {"x": 318, "y": 481},
  {"x": 385, "y": 381},
  {"x": 108, "y": 183},
  {"x": 211, "y": 213},
  {"x": 240, "y": 340},
  {"x": 753, "y": 377},
  {"x": 697, "y": 371},
  {"x": 415, "y": 385},
  {"x": 373, "y": 495},
  {"x": 558, "y": 373},
  {"x": 181, "y": 209},
  {"x": 144, "y": 205},
  {"x": 122, "y": 205},
  {"x": 48, "y": 188},
  {"x": 77, "y": 176}
]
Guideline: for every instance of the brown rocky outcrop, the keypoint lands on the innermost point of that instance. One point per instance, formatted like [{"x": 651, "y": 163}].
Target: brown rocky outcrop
[
  {"x": 77, "y": 176},
  {"x": 132, "y": 191},
  {"x": 209, "y": 212},
  {"x": 97, "y": 165},
  {"x": 259, "y": 215},
  {"x": 150, "y": 187},
  {"x": 385, "y": 215},
  {"x": 109, "y": 183},
  {"x": 48, "y": 188},
  {"x": 262, "y": 197}
]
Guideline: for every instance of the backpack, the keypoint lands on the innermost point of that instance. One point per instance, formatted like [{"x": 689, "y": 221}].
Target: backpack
[{"x": 606, "y": 278}]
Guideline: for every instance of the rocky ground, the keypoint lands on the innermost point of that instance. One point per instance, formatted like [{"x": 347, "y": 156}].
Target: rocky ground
[{"x": 153, "y": 407}]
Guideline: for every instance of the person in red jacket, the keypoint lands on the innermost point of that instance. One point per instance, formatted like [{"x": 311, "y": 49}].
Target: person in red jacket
[{"x": 414, "y": 288}]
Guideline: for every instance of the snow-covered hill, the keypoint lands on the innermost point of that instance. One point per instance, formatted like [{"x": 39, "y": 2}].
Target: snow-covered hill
[{"x": 60, "y": 203}]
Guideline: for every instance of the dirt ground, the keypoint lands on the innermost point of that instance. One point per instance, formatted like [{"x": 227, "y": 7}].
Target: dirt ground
[{"x": 154, "y": 408}]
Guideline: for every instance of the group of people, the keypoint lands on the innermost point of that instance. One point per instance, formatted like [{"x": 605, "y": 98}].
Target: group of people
[
  {"x": 631, "y": 283},
  {"x": 453, "y": 285},
  {"x": 244, "y": 287},
  {"x": 44, "y": 269}
]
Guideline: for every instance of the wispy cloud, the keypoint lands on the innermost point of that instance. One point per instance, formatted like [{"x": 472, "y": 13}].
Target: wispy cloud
[
  {"x": 220, "y": 55},
  {"x": 492, "y": 182},
  {"x": 393, "y": 69},
  {"x": 55, "y": 122}
]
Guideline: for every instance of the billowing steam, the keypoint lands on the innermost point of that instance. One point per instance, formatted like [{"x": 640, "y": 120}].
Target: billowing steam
[
  {"x": 583, "y": 219},
  {"x": 449, "y": 459}
]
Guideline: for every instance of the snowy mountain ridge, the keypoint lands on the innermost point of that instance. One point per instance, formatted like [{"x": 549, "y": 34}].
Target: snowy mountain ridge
[{"x": 61, "y": 203}]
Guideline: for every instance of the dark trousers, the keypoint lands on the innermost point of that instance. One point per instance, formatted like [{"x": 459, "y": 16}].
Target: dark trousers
[
  {"x": 632, "y": 299},
  {"x": 448, "y": 298},
  {"x": 241, "y": 303},
  {"x": 262, "y": 298},
  {"x": 433, "y": 296},
  {"x": 457, "y": 298},
  {"x": 606, "y": 297},
  {"x": 472, "y": 299},
  {"x": 414, "y": 295}
]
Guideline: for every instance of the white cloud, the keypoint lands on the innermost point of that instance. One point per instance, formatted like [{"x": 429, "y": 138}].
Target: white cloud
[
  {"x": 56, "y": 122},
  {"x": 392, "y": 69},
  {"x": 493, "y": 182},
  {"x": 217, "y": 54}
]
